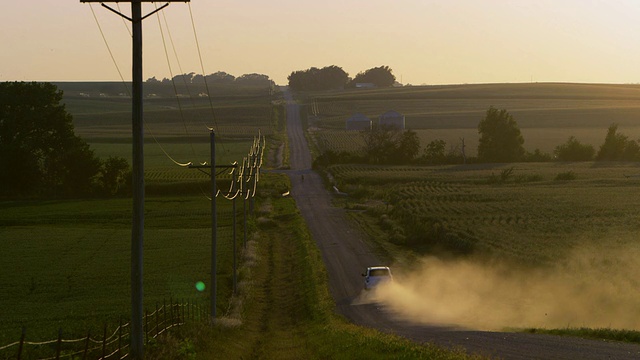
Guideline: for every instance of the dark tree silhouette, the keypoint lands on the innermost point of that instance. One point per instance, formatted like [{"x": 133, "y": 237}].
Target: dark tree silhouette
[
  {"x": 379, "y": 76},
  {"x": 314, "y": 79},
  {"x": 617, "y": 146},
  {"x": 574, "y": 150},
  {"x": 39, "y": 152},
  {"x": 389, "y": 145},
  {"x": 500, "y": 138}
]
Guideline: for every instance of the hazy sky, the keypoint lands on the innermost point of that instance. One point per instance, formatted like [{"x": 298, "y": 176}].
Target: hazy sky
[{"x": 423, "y": 41}]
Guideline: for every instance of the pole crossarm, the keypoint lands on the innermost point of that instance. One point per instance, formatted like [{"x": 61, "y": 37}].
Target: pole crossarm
[
  {"x": 130, "y": 19},
  {"x": 131, "y": 1}
]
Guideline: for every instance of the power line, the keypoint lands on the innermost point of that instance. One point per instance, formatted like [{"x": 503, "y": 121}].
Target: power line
[
  {"x": 109, "y": 49},
  {"x": 206, "y": 84},
  {"x": 115, "y": 63}
]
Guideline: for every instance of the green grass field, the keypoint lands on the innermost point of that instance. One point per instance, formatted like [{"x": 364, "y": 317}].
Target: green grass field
[{"x": 69, "y": 261}]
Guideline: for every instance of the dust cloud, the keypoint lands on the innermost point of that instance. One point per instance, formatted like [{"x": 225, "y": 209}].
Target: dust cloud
[{"x": 593, "y": 288}]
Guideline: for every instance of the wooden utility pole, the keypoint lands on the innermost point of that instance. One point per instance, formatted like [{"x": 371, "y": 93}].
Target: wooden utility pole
[
  {"x": 214, "y": 221},
  {"x": 137, "y": 228}
]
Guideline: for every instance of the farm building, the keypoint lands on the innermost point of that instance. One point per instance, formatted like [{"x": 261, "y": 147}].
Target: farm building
[
  {"x": 392, "y": 118},
  {"x": 358, "y": 121}
]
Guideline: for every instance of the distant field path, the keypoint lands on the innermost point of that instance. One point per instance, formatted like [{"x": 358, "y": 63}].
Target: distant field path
[{"x": 346, "y": 255}]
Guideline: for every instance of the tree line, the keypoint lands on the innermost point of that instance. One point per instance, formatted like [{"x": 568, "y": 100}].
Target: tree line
[
  {"x": 334, "y": 78},
  {"x": 500, "y": 142},
  {"x": 219, "y": 77}
]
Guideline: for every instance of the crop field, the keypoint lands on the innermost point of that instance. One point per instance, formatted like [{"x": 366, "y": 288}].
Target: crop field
[
  {"x": 547, "y": 114},
  {"x": 69, "y": 260},
  {"x": 533, "y": 213},
  {"x": 541, "y": 245}
]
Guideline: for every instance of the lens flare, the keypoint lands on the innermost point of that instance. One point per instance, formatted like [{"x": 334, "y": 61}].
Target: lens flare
[{"x": 200, "y": 286}]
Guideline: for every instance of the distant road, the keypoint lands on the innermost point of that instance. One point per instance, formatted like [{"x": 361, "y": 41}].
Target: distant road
[{"x": 346, "y": 255}]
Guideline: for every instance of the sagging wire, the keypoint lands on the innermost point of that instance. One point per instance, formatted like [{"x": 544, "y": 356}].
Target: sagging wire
[
  {"x": 124, "y": 22},
  {"x": 175, "y": 53},
  {"x": 146, "y": 126},
  {"x": 173, "y": 82},
  {"x": 206, "y": 84},
  {"x": 162, "y": 148},
  {"x": 104, "y": 38}
]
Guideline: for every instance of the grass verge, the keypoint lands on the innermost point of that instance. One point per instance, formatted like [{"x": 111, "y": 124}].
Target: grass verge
[{"x": 630, "y": 336}]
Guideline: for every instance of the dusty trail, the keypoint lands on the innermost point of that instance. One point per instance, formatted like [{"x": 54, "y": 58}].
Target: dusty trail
[{"x": 346, "y": 254}]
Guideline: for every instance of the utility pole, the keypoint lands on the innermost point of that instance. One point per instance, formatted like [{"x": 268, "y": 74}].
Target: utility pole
[
  {"x": 137, "y": 228},
  {"x": 214, "y": 221}
]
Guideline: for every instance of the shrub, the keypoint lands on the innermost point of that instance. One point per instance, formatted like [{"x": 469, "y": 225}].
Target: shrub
[{"x": 573, "y": 150}]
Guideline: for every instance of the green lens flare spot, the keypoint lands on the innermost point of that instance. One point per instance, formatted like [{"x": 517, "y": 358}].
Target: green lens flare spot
[{"x": 200, "y": 286}]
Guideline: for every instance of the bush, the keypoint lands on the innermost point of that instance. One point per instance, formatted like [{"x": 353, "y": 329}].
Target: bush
[{"x": 573, "y": 150}]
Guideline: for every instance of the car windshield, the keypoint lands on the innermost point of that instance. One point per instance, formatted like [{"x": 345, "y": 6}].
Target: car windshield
[{"x": 378, "y": 272}]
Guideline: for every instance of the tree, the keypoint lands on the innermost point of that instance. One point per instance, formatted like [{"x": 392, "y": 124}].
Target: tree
[
  {"x": 314, "y": 79},
  {"x": 434, "y": 153},
  {"x": 254, "y": 79},
  {"x": 115, "y": 176},
  {"x": 618, "y": 147},
  {"x": 380, "y": 143},
  {"x": 381, "y": 76},
  {"x": 500, "y": 137},
  {"x": 39, "y": 152},
  {"x": 388, "y": 144},
  {"x": 408, "y": 147},
  {"x": 220, "y": 77},
  {"x": 574, "y": 150}
]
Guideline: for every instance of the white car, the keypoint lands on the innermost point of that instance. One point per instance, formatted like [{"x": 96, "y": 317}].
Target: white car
[{"x": 376, "y": 275}]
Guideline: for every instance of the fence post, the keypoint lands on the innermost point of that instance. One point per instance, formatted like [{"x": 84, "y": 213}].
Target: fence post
[
  {"x": 86, "y": 345},
  {"x": 164, "y": 307},
  {"x": 146, "y": 327},
  {"x": 59, "y": 343},
  {"x": 24, "y": 332},
  {"x": 182, "y": 308},
  {"x": 157, "y": 321},
  {"x": 172, "y": 309},
  {"x": 119, "y": 337},
  {"x": 104, "y": 341}
]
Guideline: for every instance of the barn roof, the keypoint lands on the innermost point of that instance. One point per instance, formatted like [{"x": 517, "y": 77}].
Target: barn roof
[
  {"x": 358, "y": 117},
  {"x": 391, "y": 114}
]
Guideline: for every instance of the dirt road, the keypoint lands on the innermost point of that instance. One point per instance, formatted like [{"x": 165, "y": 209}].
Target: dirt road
[{"x": 346, "y": 255}]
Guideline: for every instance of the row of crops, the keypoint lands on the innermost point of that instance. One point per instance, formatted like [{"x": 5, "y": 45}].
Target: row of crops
[{"x": 522, "y": 217}]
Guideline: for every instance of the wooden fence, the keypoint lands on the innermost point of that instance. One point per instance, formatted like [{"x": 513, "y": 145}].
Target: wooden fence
[{"x": 113, "y": 345}]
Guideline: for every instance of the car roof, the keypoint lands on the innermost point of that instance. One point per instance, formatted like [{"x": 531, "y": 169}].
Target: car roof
[{"x": 378, "y": 268}]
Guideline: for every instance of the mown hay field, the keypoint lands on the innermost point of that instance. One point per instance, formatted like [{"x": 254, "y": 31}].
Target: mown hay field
[{"x": 547, "y": 113}]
